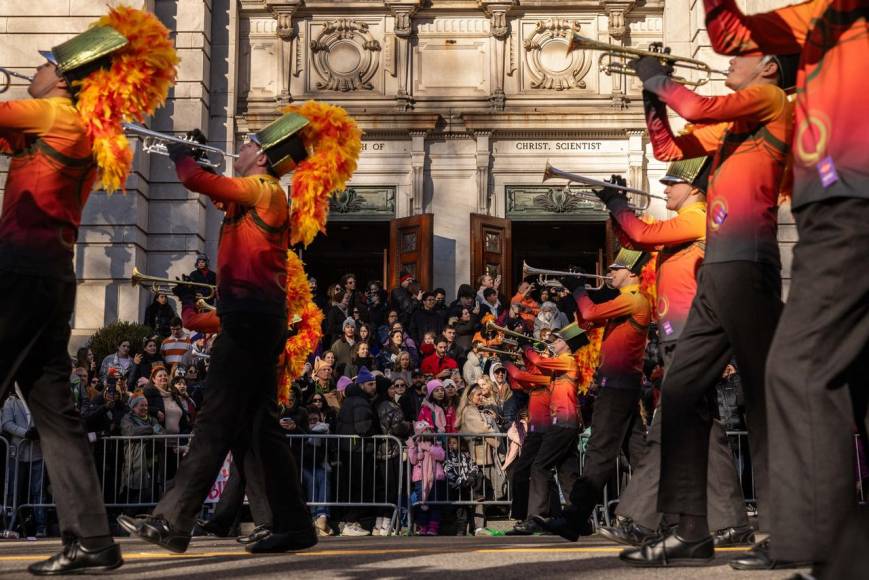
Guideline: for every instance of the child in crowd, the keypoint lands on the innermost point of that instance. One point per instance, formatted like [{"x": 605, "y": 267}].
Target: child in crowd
[
  {"x": 426, "y": 456},
  {"x": 463, "y": 476},
  {"x": 316, "y": 468}
]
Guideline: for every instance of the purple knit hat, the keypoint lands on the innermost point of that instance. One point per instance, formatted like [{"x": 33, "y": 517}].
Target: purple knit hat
[{"x": 343, "y": 383}]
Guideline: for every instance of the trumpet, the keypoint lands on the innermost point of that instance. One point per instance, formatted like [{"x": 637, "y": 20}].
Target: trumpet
[
  {"x": 155, "y": 142},
  {"x": 608, "y": 65},
  {"x": 6, "y": 78},
  {"x": 553, "y": 173},
  {"x": 539, "y": 346},
  {"x": 165, "y": 285},
  {"x": 543, "y": 276},
  {"x": 503, "y": 353}
]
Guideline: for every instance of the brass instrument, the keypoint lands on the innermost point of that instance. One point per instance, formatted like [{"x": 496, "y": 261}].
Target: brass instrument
[
  {"x": 6, "y": 78},
  {"x": 155, "y": 142},
  {"x": 543, "y": 276},
  {"x": 502, "y": 353},
  {"x": 539, "y": 346},
  {"x": 552, "y": 173},
  {"x": 609, "y": 63},
  {"x": 165, "y": 285},
  {"x": 204, "y": 306}
]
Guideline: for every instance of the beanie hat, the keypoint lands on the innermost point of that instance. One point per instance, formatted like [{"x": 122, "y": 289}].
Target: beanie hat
[
  {"x": 135, "y": 399},
  {"x": 431, "y": 386},
  {"x": 349, "y": 321},
  {"x": 196, "y": 336},
  {"x": 420, "y": 427},
  {"x": 364, "y": 376},
  {"x": 405, "y": 278},
  {"x": 343, "y": 383}
]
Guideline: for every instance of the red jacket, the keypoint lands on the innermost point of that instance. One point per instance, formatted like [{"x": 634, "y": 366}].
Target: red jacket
[
  {"x": 433, "y": 365},
  {"x": 536, "y": 385}
]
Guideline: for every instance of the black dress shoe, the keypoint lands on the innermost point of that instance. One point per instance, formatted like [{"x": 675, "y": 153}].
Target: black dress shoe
[
  {"x": 670, "y": 551},
  {"x": 157, "y": 531},
  {"x": 734, "y": 536},
  {"x": 74, "y": 559},
  {"x": 627, "y": 533},
  {"x": 208, "y": 528},
  {"x": 527, "y": 528},
  {"x": 256, "y": 535},
  {"x": 758, "y": 558},
  {"x": 564, "y": 526},
  {"x": 276, "y": 542}
]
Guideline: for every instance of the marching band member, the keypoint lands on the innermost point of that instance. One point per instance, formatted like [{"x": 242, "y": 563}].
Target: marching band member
[
  {"x": 553, "y": 418},
  {"x": 739, "y": 286},
  {"x": 824, "y": 327},
  {"x": 61, "y": 140},
  {"x": 680, "y": 243},
  {"x": 626, "y": 320},
  {"x": 253, "y": 322}
]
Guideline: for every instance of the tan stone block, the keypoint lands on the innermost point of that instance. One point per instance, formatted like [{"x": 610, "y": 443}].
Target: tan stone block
[
  {"x": 34, "y": 8},
  {"x": 48, "y": 25},
  {"x": 97, "y": 8}
]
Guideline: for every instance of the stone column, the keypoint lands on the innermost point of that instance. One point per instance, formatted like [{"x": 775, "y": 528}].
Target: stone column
[
  {"x": 417, "y": 167},
  {"x": 283, "y": 11},
  {"x": 403, "y": 12},
  {"x": 484, "y": 160},
  {"x": 497, "y": 11},
  {"x": 637, "y": 163},
  {"x": 616, "y": 28}
]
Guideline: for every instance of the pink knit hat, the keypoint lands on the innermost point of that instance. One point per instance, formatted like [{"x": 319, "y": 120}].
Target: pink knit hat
[{"x": 431, "y": 386}]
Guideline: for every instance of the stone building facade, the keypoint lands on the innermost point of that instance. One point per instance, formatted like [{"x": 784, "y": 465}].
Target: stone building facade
[{"x": 463, "y": 103}]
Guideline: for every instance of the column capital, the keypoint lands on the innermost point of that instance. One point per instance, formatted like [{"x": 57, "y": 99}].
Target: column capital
[
  {"x": 403, "y": 11},
  {"x": 616, "y": 11},
  {"x": 283, "y": 11},
  {"x": 497, "y": 11}
]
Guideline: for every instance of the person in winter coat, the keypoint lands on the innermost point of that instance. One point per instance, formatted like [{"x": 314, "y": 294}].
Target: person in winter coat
[
  {"x": 343, "y": 346},
  {"x": 361, "y": 357},
  {"x": 434, "y": 411},
  {"x": 425, "y": 454},
  {"x": 144, "y": 361},
  {"x": 138, "y": 476},
  {"x": 357, "y": 417},
  {"x": 159, "y": 314},
  {"x": 389, "y": 472},
  {"x": 402, "y": 298},
  {"x": 426, "y": 319},
  {"x": 472, "y": 370}
]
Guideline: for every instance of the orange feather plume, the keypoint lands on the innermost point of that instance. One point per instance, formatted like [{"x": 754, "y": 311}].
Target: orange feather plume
[
  {"x": 337, "y": 142},
  {"x": 135, "y": 85},
  {"x": 588, "y": 358}
]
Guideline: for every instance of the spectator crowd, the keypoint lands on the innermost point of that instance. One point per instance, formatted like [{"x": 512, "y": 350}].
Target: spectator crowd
[{"x": 405, "y": 368}]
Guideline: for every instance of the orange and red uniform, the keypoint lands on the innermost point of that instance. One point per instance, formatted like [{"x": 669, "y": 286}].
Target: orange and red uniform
[
  {"x": 536, "y": 385},
  {"x": 50, "y": 178},
  {"x": 749, "y": 132},
  {"x": 680, "y": 243},
  {"x": 254, "y": 237},
  {"x": 626, "y": 323},
  {"x": 831, "y": 124},
  {"x": 192, "y": 319},
  {"x": 560, "y": 375}
]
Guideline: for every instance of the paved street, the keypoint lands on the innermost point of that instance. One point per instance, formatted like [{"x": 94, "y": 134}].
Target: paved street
[{"x": 418, "y": 558}]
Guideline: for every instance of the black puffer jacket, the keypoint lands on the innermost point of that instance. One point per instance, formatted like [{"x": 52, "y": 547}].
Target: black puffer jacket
[{"x": 357, "y": 416}]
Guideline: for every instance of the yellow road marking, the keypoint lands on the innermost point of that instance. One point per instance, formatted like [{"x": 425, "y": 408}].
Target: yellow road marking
[{"x": 357, "y": 552}]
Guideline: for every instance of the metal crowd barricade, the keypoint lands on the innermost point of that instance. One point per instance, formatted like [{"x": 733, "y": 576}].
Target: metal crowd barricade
[
  {"x": 489, "y": 487},
  {"x": 5, "y": 461},
  {"x": 364, "y": 476}
]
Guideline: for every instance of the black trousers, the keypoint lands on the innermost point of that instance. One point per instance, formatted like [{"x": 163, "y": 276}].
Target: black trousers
[
  {"x": 239, "y": 413},
  {"x": 735, "y": 311},
  {"x": 558, "y": 450},
  {"x": 612, "y": 423},
  {"x": 817, "y": 380},
  {"x": 34, "y": 337},
  {"x": 228, "y": 509},
  {"x": 520, "y": 477},
  {"x": 725, "y": 505}
]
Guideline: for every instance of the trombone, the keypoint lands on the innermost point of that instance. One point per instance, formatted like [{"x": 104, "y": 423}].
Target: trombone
[
  {"x": 155, "y": 142},
  {"x": 552, "y": 173},
  {"x": 6, "y": 78},
  {"x": 543, "y": 276},
  {"x": 165, "y": 285},
  {"x": 539, "y": 346},
  {"x": 608, "y": 64}
]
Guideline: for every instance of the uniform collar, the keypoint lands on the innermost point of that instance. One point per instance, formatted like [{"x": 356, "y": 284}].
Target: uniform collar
[
  {"x": 690, "y": 206},
  {"x": 629, "y": 288}
]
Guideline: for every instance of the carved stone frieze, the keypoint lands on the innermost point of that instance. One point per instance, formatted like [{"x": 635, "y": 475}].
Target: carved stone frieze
[
  {"x": 548, "y": 61},
  {"x": 345, "y": 55}
]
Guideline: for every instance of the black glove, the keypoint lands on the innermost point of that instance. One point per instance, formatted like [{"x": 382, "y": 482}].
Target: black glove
[
  {"x": 198, "y": 136},
  {"x": 609, "y": 194},
  {"x": 179, "y": 150},
  {"x": 186, "y": 294},
  {"x": 648, "y": 67},
  {"x": 572, "y": 282},
  {"x": 32, "y": 434}
]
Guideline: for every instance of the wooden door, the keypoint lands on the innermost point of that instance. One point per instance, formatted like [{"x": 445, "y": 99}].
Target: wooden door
[
  {"x": 492, "y": 251},
  {"x": 411, "y": 240}
]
